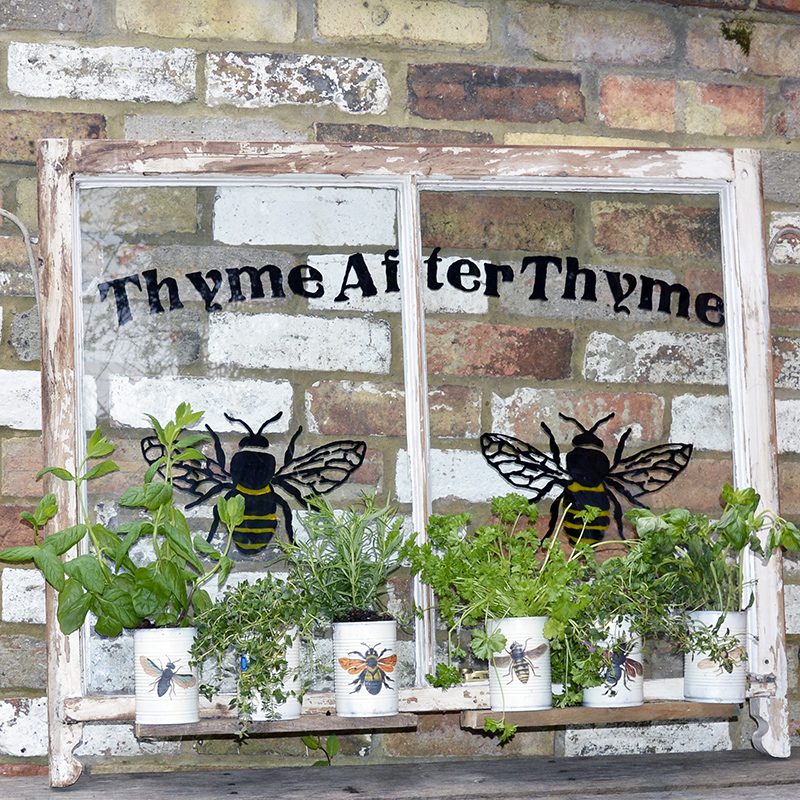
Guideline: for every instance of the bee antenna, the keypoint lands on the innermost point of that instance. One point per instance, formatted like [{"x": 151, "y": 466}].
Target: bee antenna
[
  {"x": 241, "y": 422},
  {"x": 268, "y": 422},
  {"x": 600, "y": 422},
  {"x": 573, "y": 420}
]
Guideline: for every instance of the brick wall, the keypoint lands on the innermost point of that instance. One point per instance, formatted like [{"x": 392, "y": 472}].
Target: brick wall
[{"x": 648, "y": 74}]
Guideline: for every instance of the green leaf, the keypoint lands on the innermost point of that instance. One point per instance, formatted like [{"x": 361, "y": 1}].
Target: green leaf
[
  {"x": 108, "y": 625},
  {"x": 153, "y": 469},
  {"x": 184, "y": 416},
  {"x": 231, "y": 511},
  {"x": 17, "y": 554},
  {"x": 157, "y": 428},
  {"x": 790, "y": 537},
  {"x": 52, "y": 568},
  {"x": 73, "y": 605},
  {"x": 485, "y": 645},
  {"x": 98, "y": 470},
  {"x": 190, "y": 454},
  {"x": 204, "y": 547},
  {"x": 59, "y": 472},
  {"x": 151, "y": 592},
  {"x": 88, "y": 571},
  {"x": 332, "y": 745},
  {"x": 157, "y": 495},
  {"x": 119, "y": 597},
  {"x": 201, "y": 600},
  {"x": 181, "y": 541},
  {"x": 310, "y": 742},
  {"x": 46, "y": 509},
  {"x": 133, "y": 497},
  {"x": 225, "y": 566},
  {"x": 98, "y": 446},
  {"x": 192, "y": 439},
  {"x": 59, "y": 543}
]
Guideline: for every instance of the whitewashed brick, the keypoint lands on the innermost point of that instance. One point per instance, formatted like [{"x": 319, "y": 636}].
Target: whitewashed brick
[
  {"x": 787, "y": 421},
  {"x": 703, "y": 420},
  {"x": 457, "y": 474},
  {"x": 131, "y": 74},
  {"x": 657, "y": 357},
  {"x": 787, "y": 249},
  {"x": 21, "y": 399},
  {"x": 23, "y": 727},
  {"x": 212, "y": 129},
  {"x": 447, "y": 300},
  {"x": 22, "y": 595},
  {"x": 294, "y": 215},
  {"x": 251, "y": 400},
  {"x": 279, "y": 341},
  {"x": 654, "y": 738},
  {"x": 119, "y": 740},
  {"x": 791, "y": 598},
  {"x": 352, "y": 85}
]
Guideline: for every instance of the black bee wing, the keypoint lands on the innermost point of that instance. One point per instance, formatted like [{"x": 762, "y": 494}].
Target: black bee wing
[
  {"x": 502, "y": 661},
  {"x": 522, "y": 465},
  {"x": 203, "y": 479},
  {"x": 537, "y": 652},
  {"x": 321, "y": 470},
  {"x": 649, "y": 470}
]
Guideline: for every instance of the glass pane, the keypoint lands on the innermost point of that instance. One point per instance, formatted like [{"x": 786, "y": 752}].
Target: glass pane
[
  {"x": 275, "y": 309},
  {"x": 589, "y": 327}
]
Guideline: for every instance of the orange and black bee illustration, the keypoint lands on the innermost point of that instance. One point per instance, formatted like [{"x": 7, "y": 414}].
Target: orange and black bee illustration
[{"x": 371, "y": 667}]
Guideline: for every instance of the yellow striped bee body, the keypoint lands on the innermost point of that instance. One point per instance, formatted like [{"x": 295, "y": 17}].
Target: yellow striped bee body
[
  {"x": 588, "y": 478},
  {"x": 520, "y": 661}
]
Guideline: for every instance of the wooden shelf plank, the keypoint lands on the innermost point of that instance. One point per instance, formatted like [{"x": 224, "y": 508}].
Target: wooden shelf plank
[
  {"x": 649, "y": 712},
  {"x": 306, "y": 723}
]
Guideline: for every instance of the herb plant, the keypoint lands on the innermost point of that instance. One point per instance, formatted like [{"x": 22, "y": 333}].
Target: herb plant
[
  {"x": 259, "y": 619},
  {"x": 342, "y": 559},
  {"x": 167, "y": 591}
]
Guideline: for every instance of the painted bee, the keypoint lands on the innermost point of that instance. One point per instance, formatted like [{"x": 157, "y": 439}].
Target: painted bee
[
  {"x": 622, "y": 668},
  {"x": 167, "y": 676},
  {"x": 588, "y": 477},
  {"x": 520, "y": 661},
  {"x": 252, "y": 474},
  {"x": 371, "y": 668},
  {"x": 730, "y": 659}
]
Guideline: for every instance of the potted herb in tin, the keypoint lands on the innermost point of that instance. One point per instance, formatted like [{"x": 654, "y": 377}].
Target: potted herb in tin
[
  {"x": 158, "y": 598},
  {"x": 696, "y": 561},
  {"x": 341, "y": 562},
  {"x": 515, "y": 589}
]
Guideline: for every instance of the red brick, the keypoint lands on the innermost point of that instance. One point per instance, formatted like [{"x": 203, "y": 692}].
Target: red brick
[
  {"x": 671, "y": 231},
  {"x": 347, "y": 407},
  {"x": 789, "y": 487},
  {"x": 13, "y": 531},
  {"x": 19, "y": 131},
  {"x": 23, "y": 457},
  {"x": 697, "y": 488},
  {"x": 786, "y": 123},
  {"x": 789, "y": 6},
  {"x": 23, "y": 770},
  {"x": 472, "y": 91},
  {"x": 526, "y": 410},
  {"x": 741, "y": 108},
  {"x": 774, "y": 49},
  {"x": 638, "y": 103},
  {"x": 784, "y": 290},
  {"x": 509, "y": 351},
  {"x": 486, "y": 222},
  {"x": 349, "y": 132}
]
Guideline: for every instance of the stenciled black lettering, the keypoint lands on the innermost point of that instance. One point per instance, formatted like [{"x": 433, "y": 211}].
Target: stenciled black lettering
[
  {"x": 432, "y": 262},
  {"x": 708, "y": 303},
  {"x": 492, "y": 271},
  {"x": 302, "y": 274},
  {"x": 256, "y": 287},
  {"x": 571, "y": 279},
  {"x": 390, "y": 263},
  {"x": 357, "y": 264},
  {"x": 460, "y": 269},
  {"x": 666, "y": 291},
  {"x": 617, "y": 292},
  {"x": 120, "y": 296},
  {"x": 541, "y": 264},
  {"x": 154, "y": 286},
  {"x": 204, "y": 290}
]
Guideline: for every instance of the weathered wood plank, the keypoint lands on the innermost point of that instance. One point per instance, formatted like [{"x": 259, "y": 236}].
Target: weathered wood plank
[
  {"x": 649, "y": 712},
  {"x": 307, "y": 723}
]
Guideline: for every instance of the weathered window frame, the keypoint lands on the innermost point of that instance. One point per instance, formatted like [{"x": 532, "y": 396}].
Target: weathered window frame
[{"x": 733, "y": 176}]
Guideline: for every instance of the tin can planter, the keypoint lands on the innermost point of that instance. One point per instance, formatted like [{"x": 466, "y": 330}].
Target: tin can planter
[
  {"x": 166, "y": 688},
  {"x": 519, "y": 677},
  {"x": 291, "y": 707},
  {"x": 623, "y": 684},
  {"x": 364, "y": 661},
  {"x": 708, "y": 681}
]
